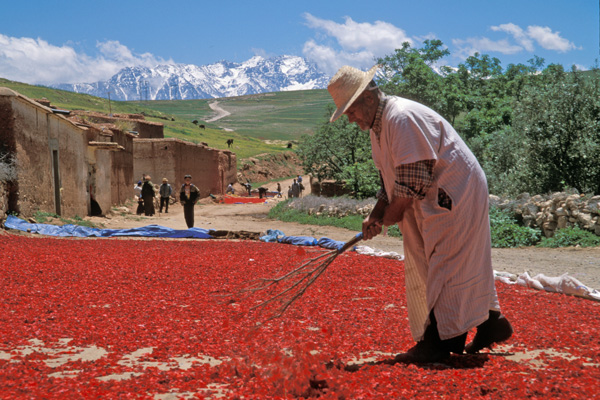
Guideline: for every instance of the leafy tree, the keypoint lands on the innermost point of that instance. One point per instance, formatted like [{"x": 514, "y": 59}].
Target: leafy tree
[
  {"x": 502, "y": 156},
  {"x": 340, "y": 151},
  {"x": 486, "y": 101},
  {"x": 559, "y": 118},
  {"x": 409, "y": 73}
]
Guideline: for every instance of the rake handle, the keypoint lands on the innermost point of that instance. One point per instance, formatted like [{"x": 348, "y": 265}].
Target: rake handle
[{"x": 351, "y": 243}]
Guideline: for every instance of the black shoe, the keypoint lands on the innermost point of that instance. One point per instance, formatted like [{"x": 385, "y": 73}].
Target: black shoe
[
  {"x": 495, "y": 330},
  {"x": 423, "y": 352}
]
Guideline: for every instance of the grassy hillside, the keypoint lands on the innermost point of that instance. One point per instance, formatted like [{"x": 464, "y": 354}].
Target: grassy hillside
[
  {"x": 258, "y": 124},
  {"x": 279, "y": 116}
]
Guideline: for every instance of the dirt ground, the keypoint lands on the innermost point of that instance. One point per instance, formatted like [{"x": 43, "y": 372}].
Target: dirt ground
[{"x": 580, "y": 263}]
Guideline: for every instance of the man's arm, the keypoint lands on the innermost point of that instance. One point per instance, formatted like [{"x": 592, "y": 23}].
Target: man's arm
[
  {"x": 395, "y": 211},
  {"x": 371, "y": 225},
  {"x": 412, "y": 183}
]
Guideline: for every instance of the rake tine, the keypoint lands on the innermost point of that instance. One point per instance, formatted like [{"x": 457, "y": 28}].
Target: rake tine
[
  {"x": 310, "y": 277},
  {"x": 303, "y": 277}
]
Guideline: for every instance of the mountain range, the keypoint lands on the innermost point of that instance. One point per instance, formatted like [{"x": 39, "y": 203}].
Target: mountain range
[{"x": 222, "y": 79}]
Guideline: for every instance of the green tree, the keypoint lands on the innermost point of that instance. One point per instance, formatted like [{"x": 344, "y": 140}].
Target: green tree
[
  {"x": 502, "y": 156},
  {"x": 340, "y": 151},
  {"x": 409, "y": 73},
  {"x": 559, "y": 118}
]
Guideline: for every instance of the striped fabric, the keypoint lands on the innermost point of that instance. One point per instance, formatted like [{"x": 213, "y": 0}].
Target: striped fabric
[{"x": 446, "y": 229}]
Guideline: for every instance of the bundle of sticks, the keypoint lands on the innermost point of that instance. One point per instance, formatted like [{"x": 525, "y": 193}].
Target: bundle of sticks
[{"x": 294, "y": 283}]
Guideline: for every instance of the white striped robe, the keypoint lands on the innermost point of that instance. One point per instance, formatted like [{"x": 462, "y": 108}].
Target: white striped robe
[{"x": 448, "y": 265}]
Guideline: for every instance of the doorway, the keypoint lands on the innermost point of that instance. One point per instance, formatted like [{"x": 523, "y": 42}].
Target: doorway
[{"x": 56, "y": 182}]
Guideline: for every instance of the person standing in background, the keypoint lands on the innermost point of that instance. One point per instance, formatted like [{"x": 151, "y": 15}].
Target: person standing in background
[
  {"x": 188, "y": 196},
  {"x": 148, "y": 194},
  {"x": 137, "y": 189},
  {"x": 165, "y": 191}
]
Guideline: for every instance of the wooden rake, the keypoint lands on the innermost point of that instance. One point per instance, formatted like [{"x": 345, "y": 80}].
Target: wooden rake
[{"x": 295, "y": 282}]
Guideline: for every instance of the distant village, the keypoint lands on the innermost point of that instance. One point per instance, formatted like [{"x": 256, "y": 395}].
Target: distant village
[{"x": 78, "y": 163}]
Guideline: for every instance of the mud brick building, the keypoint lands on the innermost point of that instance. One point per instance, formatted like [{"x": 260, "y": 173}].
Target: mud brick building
[
  {"x": 61, "y": 166},
  {"x": 212, "y": 170},
  {"x": 81, "y": 163}
]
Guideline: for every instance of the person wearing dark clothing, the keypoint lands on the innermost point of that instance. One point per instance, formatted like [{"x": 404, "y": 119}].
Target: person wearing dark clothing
[
  {"x": 189, "y": 196},
  {"x": 295, "y": 189},
  {"x": 165, "y": 194},
  {"x": 138, "y": 194},
  {"x": 262, "y": 192},
  {"x": 148, "y": 196}
]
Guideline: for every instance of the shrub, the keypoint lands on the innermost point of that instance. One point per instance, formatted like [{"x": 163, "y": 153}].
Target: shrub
[
  {"x": 572, "y": 236},
  {"x": 296, "y": 210},
  {"x": 507, "y": 233}
]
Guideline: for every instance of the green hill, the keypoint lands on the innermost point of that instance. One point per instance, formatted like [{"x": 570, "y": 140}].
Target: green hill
[
  {"x": 279, "y": 116},
  {"x": 262, "y": 123}
]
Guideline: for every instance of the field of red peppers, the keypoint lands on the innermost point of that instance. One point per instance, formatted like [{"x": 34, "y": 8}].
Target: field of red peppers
[{"x": 112, "y": 318}]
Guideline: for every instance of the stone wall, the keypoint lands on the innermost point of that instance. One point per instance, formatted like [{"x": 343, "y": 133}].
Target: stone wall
[
  {"x": 328, "y": 188},
  {"x": 554, "y": 211},
  {"x": 211, "y": 169}
]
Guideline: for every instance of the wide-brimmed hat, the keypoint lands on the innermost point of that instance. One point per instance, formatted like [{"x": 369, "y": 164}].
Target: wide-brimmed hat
[
  {"x": 165, "y": 180},
  {"x": 346, "y": 85}
]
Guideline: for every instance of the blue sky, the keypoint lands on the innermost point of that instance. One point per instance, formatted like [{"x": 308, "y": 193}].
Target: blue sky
[{"x": 45, "y": 42}]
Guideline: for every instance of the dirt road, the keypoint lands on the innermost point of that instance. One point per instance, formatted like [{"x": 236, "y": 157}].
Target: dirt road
[{"x": 581, "y": 263}]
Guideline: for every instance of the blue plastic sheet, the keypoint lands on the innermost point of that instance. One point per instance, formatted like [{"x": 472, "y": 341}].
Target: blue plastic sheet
[
  {"x": 272, "y": 235},
  {"x": 330, "y": 243},
  {"x": 299, "y": 240},
  {"x": 13, "y": 222}
]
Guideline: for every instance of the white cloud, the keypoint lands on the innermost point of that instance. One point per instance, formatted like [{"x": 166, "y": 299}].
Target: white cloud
[
  {"x": 549, "y": 40},
  {"x": 351, "y": 43},
  {"x": 524, "y": 39},
  {"x": 36, "y": 61},
  {"x": 517, "y": 33},
  {"x": 469, "y": 46}
]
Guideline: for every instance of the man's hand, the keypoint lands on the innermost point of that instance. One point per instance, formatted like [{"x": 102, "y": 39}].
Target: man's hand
[{"x": 371, "y": 225}]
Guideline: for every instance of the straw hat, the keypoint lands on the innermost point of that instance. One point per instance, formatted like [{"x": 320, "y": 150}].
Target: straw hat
[
  {"x": 165, "y": 180},
  {"x": 346, "y": 85}
]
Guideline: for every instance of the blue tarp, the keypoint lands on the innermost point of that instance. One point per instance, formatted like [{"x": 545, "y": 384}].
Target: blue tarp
[
  {"x": 82, "y": 231},
  {"x": 273, "y": 235},
  {"x": 298, "y": 240},
  {"x": 330, "y": 243}
]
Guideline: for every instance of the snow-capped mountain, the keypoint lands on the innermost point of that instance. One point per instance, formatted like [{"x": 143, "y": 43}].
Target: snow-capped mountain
[{"x": 222, "y": 79}]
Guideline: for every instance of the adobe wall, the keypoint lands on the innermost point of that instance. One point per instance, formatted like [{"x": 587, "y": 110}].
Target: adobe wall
[
  {"x": 122, "y": 168},
  {"x": 37, "y": 138},
  {"x": 133, "y": 122},
  {"x": 211, "y": 169},
  {"x": 34, "y": 136}
]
